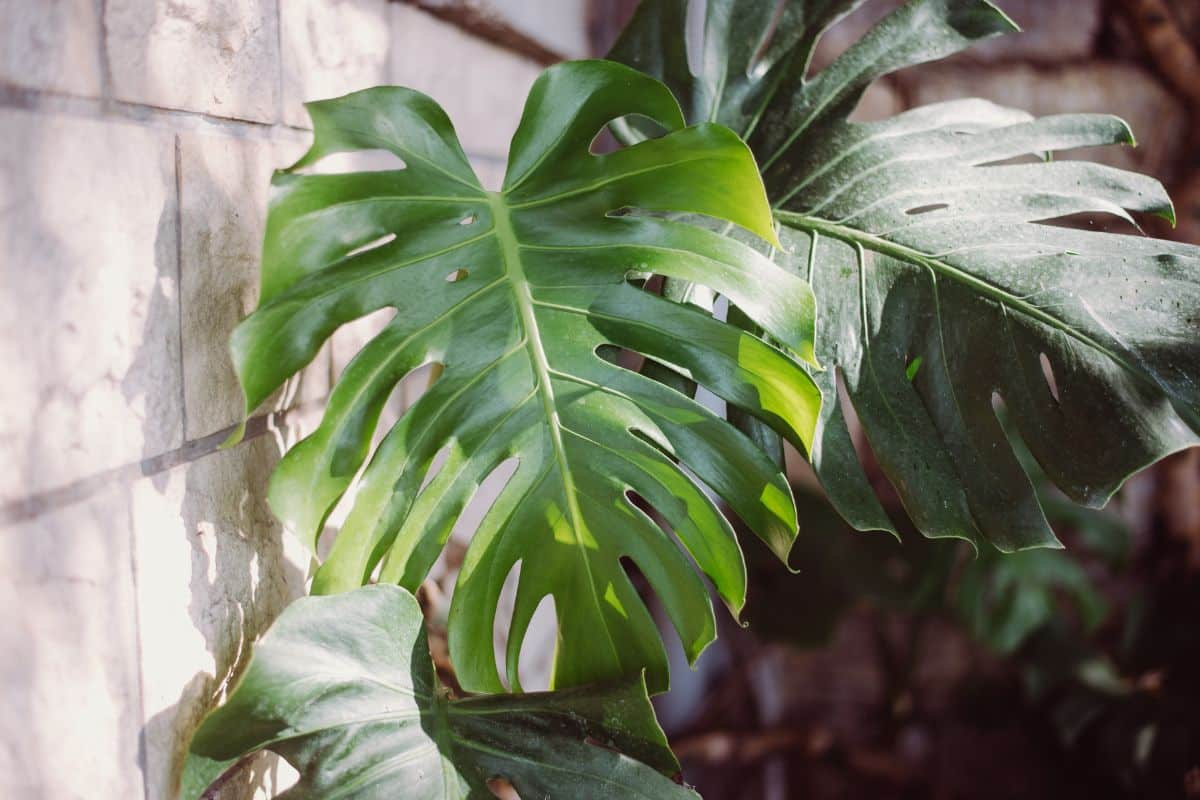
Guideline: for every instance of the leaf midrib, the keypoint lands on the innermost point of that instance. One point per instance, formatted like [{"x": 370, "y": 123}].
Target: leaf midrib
[
  {"x": 523, "y": 299},
  {"x": 876, "y": 244}
]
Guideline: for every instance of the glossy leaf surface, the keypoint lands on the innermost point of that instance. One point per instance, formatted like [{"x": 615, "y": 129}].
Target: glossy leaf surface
[
  {"x": 344, "y": 689},
  {"x": 943, "y": 292},
  {"x": 517, "y": 294}
]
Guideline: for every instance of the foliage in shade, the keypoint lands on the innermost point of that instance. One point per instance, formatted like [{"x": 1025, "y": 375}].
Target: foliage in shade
[
  {"x": 344, "y": 689},
  {"x": 516, "y": 294},
  {"x": 925, "y": 238},
  {"x": 1002, "y": 599}
]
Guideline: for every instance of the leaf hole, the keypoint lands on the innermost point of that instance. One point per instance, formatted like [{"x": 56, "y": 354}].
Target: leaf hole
[
  {"x": 643, "y": 505},
  {"x": 483, "y": 499},
  {"x": 502, "y": 621},
  {"x": 926, "y": 209},
  {"x": 662, "y": 446},
  {"x": 454, "y": 276},
  {"x": 844, "y": 32},
  {"x": 603, "y": 142},
  {"x": 622, "y": 357},
  {"x": 635, "y": 575},
  {"x": 374, "y": 244},
  {"x": 469, "y": 219},
  {"x": 375, "y": 160},
  {"x": 350, "y": 337},
  {"x": 286, "y": 776},
  {"x": 435, "y": 466},
  {"x": 502, "y": 789},
  {"x": 536, "y": 660},
  {"x": 858, "y": 436},
  {"x": 1048, "y": 374}
]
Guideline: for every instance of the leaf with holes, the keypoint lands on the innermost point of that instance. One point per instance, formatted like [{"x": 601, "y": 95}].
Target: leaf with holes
[
  {"x": 517, "y": 294},
  {"x": 344, "y": 689},
  {"x": 943, "y": 288}
]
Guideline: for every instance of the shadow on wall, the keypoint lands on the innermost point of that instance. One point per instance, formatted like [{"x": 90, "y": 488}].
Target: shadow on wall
[
  {"x": 240, "y": 579},
  {"x": 239, "y": 575},
  {"x": 213, "y": 567}
]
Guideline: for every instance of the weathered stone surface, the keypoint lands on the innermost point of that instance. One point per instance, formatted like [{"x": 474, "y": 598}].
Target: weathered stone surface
[
  {"x": 214, "y": 570},
  {"x": 331, "y": 47},
  {"x": 223, "y": 196},
  {"x": 481, "y": 86},
  {"x": 51, "y": 45},
  {"x": 1158, "y": 121},
  {"x": 218, "y": 57},
  {"x": 69, "y": 709},
  {"x": 89, "y": 314}
]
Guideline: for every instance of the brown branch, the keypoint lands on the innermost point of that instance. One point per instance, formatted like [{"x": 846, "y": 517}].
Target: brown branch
[{"x": 478, "y": 18}]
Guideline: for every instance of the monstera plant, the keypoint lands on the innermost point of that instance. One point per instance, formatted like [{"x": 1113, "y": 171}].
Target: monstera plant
[
  {"x": 941, "y": 292},
  {"x": 572, "y": 315}
]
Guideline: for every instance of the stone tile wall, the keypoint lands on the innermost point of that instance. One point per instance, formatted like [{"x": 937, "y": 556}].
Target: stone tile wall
[{"x": 137, "y": 561}]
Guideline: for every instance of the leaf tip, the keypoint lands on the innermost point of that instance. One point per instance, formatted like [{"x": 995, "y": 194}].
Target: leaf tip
[
  {"x": 1004, "y": 23},
  {"x": 1126, "y": 134},
  {"x": 1167, "y": 212},
  {"x": 773, "y": 239}
]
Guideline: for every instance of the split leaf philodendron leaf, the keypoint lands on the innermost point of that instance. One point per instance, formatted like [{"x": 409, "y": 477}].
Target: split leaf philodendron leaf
[
  {"x": 519, "y": 295},
  {"x": 343, "y": 688},
  {"x": 943, "y": 290}
]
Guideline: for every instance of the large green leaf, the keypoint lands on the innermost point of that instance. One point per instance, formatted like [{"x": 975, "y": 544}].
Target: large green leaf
[
  {"x": 943, "y": 290},
  {"x": 517, "y": 294},
  {"x": 344, "y": 689}
]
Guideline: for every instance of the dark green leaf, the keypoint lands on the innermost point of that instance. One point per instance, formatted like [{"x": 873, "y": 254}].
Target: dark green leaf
[
  {"x": 344, "y": 689},
  {"x": 926, "y": 241},
  {"x": 516, "y": 294}
]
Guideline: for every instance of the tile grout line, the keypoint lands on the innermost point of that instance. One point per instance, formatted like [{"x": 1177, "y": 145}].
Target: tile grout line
[
  {"x": 179, "y": 282},
  {"x": 37, "y": 504},
  {"x": 106, "y": 81},
  {"x": 279, "y": 100},
  {"x": 175, "y": 119}
]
